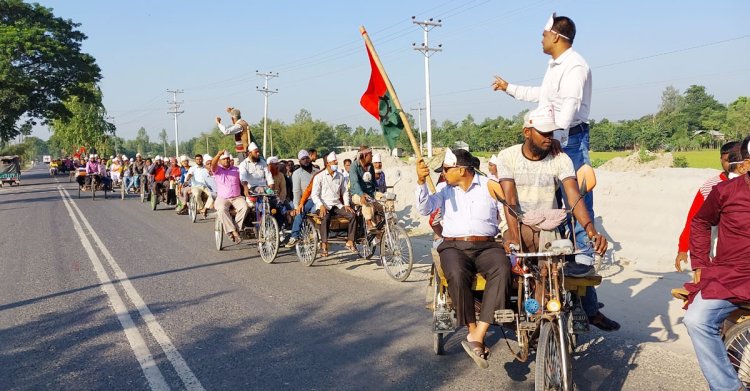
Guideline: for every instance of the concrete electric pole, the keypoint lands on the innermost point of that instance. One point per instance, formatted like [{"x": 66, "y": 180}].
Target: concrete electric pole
[
  {"x": 176, "y": 111},
  {"x": 427, "y": 51},
  {"x": 265, "y": 91}
]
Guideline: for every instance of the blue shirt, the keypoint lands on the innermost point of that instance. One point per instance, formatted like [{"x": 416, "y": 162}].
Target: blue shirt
[{"x": 465, "y": 213}]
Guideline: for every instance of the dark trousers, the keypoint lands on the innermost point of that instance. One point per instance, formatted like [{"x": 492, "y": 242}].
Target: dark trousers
[
  {"x": 326, "y": 220},
  {"x": 460, "y": 262},
  {"x": 155, "y": 186}
]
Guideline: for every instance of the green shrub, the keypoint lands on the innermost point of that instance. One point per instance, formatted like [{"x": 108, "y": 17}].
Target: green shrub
[
  {"x": 596, "y": 163},
  {"x": 679, "y": 162},
  {"x": 644, "y": 156}
]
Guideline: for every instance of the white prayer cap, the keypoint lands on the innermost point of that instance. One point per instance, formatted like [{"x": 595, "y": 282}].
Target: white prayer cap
[
  {"x": 450, "y": 158},
  {"x": 207, "y": 157},
  {"x": 550, "y": 22},
  {"x": 331, "y": 157},
  {"x": 376, "y": 158},
  {"x": 158, "y": 157},
  {"x": 302, "y": 154},
  {"x": 493, "y": 160},
  {"x": 273, "y": 160},
  {"x": 252, "y": 147},
  {"x": 124, "y": 157},
  {"x": 91, "y": 156},
  {"x": 226, "y": 155},
  {"x": 111, "y": 157},
  {"x": 184, "y": 158},
  {"x": 137, "y": 155},
  {"x": 542, "y": 119}
]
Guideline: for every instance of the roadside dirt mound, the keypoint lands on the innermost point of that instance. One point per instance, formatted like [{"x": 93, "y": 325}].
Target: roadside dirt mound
[{"x": 635, "y": 162}]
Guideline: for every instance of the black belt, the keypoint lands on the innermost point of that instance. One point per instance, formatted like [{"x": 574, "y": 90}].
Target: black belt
[{"x": 577, "y": 129}]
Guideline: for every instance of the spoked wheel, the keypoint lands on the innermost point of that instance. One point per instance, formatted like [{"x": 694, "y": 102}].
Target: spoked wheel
[
  {"x": 122, "y": 190},
  {"x": 307, "y": 246},
  {"x": 268, "y": 240},
  {"x": 143, "y": 191},
  {"x": 219, "y": 234},
  {"x": 93, "y": 188},
  {"x": 79, "y": 192},
  {"x": 154, "y": 199},
  {"x": 396, "y": 253},
  {"x": 737, "y": 342},
  {"x": 193, "y": 209},
  {"x": 549, "y": 360}
]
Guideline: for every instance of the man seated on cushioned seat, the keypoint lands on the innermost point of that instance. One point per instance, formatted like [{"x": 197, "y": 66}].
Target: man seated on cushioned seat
[
  {"x": 328, "y": 192},
  {"x": 529, "y": 174}
]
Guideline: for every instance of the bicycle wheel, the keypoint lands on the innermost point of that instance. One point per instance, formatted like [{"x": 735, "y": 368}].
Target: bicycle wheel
[
  {"x": 122, "y": 190},
  {"x": 143, "y": 191},
  {"x": 307, "y": 246},
  {"x": 218, "y": 234},
  {"x": 737, "y": 342},
  {"x": 193, "y": 209},
  {"x": 549, "y": 366},
  {"x": 154, "y": 199},
  {"x": 93, "y": 188},
  {"x": 268, "y": 238},
  {"x": 396, "y": 253}
]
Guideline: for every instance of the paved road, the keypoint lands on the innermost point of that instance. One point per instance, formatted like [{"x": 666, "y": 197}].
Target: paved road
[{"x": 107, "y": 294}]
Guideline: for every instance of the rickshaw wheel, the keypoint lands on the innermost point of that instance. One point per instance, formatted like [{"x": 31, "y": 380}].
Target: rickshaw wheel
[
  {"x": 365, "y": 248},
  {"x": 93, "y": 188},
  {"x": 105, "y": 190},
  {"x": 218, "y": 234},
  {"x": 154, "y": 198},
  {"x": 143, "y": 191},
  {"x": 438, "y": 343},
  {"x": 79, "y": 192},
  {"x": 268, "y": 238},
  {"x": 307, "y": 247},
  {"x": 193, "y": 209},
  {"x": 549, "y": 369},
  {"x": 122, "y": 191},
  {"x": 737, "y": 342},
  {"x": 395, "y": 262}
]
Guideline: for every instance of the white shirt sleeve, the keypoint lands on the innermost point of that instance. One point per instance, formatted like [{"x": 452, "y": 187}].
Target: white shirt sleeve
[
  {"x": 529, "y": 94},
  {"x": 244, "y": 173},
  {"x": 234, "y": 129},
  {"x": 426, "y": 202},
  {"x": 343, "y": 190},
  {"x": 571, "y": 94},
  {"x": 315, "y": 195},
  {"x": 269, "y": 176}
]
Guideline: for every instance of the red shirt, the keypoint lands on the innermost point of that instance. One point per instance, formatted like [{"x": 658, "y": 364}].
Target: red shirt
[
  {"x": 160, "y": 174},
  {"x": 700, "y": 197},
  {"x": 727, "y": 275}
]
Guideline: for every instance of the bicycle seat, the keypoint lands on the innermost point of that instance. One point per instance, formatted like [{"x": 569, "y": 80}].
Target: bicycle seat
[{"x": 579, "y": 284}]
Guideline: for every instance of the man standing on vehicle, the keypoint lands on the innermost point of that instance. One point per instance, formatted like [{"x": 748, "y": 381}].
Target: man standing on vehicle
[
  {"x": 722, "y": 282},
  {"x": 328, "y": 191},
  {"x": 240, "y": 129},
  {"x": 567, "y": 88},
  {"x": 470, "y": 220},
  {"x": 228, "y": 194}
]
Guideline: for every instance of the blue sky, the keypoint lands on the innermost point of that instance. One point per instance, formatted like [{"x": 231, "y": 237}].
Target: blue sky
[{"x": 211, "y": 50}]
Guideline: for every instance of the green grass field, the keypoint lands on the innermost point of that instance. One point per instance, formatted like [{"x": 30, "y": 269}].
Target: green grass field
[{"x": 707, "y": 158}]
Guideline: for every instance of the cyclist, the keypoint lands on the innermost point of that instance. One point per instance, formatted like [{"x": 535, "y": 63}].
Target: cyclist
[{"x": 197, "y": 176}]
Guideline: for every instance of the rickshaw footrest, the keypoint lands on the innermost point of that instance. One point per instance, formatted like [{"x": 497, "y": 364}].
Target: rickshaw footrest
[
  {"x": 443, "y": 321},
  {"x": 505, "y": 316}
]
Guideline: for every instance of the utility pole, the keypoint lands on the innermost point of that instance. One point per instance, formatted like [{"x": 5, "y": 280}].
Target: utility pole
[
  {"x": 207, "y": 146},
  {"x": 117, "y": 151},
  {"x": 419, "y": 115},
  {"x": 265, "y": 91},
  {"x": 427, "y": 51},
  {"x": 176, "y": 111}
]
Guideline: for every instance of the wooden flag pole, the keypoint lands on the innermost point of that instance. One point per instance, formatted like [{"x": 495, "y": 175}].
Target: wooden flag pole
[{"x": 396, "y": 102}]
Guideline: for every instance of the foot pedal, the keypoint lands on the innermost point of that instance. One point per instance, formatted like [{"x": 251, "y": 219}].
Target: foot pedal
[
  {"x": 505, "y": 316},
  {"x": 579, "y": 321},
  {"x": 443, "y": 321}
]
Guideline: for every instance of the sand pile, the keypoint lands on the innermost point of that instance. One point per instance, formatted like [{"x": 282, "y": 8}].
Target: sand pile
[{"x": 634, "y": 162}]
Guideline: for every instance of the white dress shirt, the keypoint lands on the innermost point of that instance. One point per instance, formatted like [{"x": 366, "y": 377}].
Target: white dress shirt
[
  {"x": 566, "y": 86},
  {"x": 328, "y": 190},
  {"x": 198, "y": 176},
  {"x": 234, "y": 129},
  {"x": 465, "y": 213},
  {"x": 255, "y": 174}
]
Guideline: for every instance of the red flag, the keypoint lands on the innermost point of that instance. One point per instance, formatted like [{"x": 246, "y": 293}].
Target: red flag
[{"x": 375, "y": 89}]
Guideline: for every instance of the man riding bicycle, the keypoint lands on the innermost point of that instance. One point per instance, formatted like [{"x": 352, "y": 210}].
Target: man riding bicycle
[
  {"x": 254, "y": 170},
  {"x": 159, "y": 172},
  {"x": 197, "y": 177},
  {"x": 228, "y": 194}
]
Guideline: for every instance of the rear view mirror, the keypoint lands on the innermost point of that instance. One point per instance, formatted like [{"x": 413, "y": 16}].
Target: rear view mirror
[{"x": 586, "y": 179}]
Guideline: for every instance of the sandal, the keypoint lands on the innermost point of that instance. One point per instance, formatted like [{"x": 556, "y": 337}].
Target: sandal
[
  {"x": 324, "y": 250},
  {"x": 352, "y": 248},
  {"x": 603, "y": 323},
  {"x": 478, "y": 352}
]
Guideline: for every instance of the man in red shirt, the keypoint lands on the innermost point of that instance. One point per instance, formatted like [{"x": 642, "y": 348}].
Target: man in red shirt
[
  {"x": 159, "y": 172},
  {"x": 729, "y": 170},
  {"x": 724, "y": 281}
]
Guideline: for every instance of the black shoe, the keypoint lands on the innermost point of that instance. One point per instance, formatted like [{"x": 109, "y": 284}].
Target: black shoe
[
  {"x": 603, "y": 323},
  {"x": 578, "y": 270}
]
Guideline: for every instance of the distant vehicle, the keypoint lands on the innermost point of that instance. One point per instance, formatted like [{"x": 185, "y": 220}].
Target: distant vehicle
[
  {"x": 46, "y": 159},
  {"x": 10, "y": 170}
]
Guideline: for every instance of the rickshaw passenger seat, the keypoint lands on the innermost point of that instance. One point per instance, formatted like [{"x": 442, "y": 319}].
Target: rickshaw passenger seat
[{"x": 578, "y": 284}]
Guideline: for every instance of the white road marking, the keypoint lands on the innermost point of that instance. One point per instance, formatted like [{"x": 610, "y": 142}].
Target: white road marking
[
  {"x": 187, "y": 376},
  {"x": 140, "y": 349}
]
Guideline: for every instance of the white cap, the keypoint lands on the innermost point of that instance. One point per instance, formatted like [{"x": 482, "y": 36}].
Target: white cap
[
  {"x": 92, "y": 156},
  {"x": 252, "y": 147},
  {"x": 207, "y": 157},
  {"x": 111, "y": 156},
  {"x": 273, "y": 160},
  {"x": 158, "y": 157},
  {"x": 137, "y": 155},
  {"x": 302, "y": 154},
  {"x": 226, "y": 155},
  {"x": 450, "y": 159},
  {"x": 331, "y": 157},
  {"x": 541, "y": 119},
  {"x": 376, "y": 158},
  {"x": 550, "y": 22},
  {"x": 124, "y": 157},
  {"x": 493, "y": 160},
  {"x": 183, "y": 158}
]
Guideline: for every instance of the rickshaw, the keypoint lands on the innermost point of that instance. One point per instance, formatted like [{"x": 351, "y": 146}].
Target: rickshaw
[
  {"x": 166, "y": 194},
  {"x": 259, "y": 224},
  {"x": 396, "y": 252},
  {"x": 193, "y": 206},
  {"x": 545, "y": 308},
  {"x": 10, "y": 170},
  {"x": 95, "y": 185}
]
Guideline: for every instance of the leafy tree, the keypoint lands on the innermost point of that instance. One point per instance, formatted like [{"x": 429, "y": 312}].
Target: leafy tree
[
  {"x": 737, "y": 124},
  {"x": 163, "y": 137},
  {"x": 142, "y": 141},
  {"x": 85, "y": 125},
  {"x": 42, "y": 67}
]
